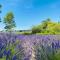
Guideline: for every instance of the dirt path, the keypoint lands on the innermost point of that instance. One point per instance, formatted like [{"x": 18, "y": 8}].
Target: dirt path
[{"x": 29, "y": 50}]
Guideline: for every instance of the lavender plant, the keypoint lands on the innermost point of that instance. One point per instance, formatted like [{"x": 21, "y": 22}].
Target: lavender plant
[
  {"x": 23, "y": 47},
  {"x": 9, "y": 49},
  {"x": 47, "y": 51}
]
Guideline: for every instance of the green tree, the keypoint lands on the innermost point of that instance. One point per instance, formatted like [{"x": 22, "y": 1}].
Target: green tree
[
  {"x": 47, "y": 27},
  {"x": 9, "y": 21},
  {"x": 41, "y": 27},
  {"x": 36, "y": 29},
  {"x": 45, "y": 23}
]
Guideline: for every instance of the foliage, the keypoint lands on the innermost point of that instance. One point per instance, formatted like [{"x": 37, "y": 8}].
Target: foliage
[
  {"x": 9, "y": 21},
  {"x": 36, "y": 29},
  {"x": 26, "y": 33},
  {"x": 47, "y": 27}
]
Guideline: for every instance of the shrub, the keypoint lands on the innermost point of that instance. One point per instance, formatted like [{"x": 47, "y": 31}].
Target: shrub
[
  {"x": 36, "y": 29},
  {"x": 27, "y": 33}
]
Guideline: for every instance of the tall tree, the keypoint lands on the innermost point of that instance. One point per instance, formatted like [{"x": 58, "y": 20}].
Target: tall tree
[{"x": 9, "y": 21}]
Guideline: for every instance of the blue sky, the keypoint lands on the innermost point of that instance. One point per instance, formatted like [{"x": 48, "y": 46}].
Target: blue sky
[{"x": 31, "y": 12}]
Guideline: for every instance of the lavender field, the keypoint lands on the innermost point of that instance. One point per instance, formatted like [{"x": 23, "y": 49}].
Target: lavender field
[
  {"x": 29, "y": 47},
  {"x": 29, "y": 29}
]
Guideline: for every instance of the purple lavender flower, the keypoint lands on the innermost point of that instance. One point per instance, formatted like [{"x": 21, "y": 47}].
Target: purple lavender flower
[
  {"x": 5, "y": 52},
  {"x": 8, "y": 52},
  {"x": 14, "y": 57}
]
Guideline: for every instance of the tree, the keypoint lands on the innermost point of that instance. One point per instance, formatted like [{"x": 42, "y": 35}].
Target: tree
[
  {"x": 47, "y": 27},
  {"x": 45, "y": 23},
  {"x": 9, "y": 21},
  {"x": 36, "y": 29},
  {"x": 41, "y": 27}
]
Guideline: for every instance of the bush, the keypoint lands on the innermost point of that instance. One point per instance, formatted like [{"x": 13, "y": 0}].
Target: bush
[
  {"x": 47, "y": 27},
  {"x": 36, "y": 29},
  {"x": 27, "y": 33}
]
